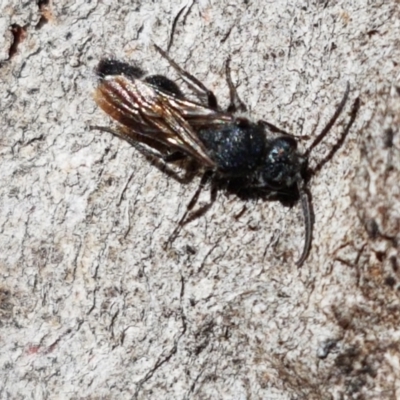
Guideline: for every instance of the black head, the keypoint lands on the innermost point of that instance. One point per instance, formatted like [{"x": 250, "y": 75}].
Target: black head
[{"x": 283, "y": 166}]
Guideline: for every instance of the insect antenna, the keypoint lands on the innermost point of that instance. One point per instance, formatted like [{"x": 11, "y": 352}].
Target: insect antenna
[
  {"x": 331, "y": 122},
  {"x": 305, "y": 196},
  {"x": 339, "y": 143},
  {"x": 305, "y": 199}
]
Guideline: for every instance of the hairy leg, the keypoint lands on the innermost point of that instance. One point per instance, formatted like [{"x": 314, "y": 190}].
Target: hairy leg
[{"x": 186, "y": 218}]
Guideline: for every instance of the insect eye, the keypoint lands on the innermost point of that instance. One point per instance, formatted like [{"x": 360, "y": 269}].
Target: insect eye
[{"x": 243, "y": 123}]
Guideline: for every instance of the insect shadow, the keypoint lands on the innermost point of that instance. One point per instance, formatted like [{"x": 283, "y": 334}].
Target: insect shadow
[{"x": 250, "y": 159}]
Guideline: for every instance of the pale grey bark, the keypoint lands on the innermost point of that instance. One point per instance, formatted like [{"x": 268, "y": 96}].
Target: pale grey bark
[{"x": 92, "y": 306}]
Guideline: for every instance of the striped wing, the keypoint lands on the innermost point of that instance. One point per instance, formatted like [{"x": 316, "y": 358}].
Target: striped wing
[{"x": 148, "y": 111}]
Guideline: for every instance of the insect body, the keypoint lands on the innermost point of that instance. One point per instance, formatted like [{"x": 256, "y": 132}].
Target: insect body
[{"x": 157, "y": 119}]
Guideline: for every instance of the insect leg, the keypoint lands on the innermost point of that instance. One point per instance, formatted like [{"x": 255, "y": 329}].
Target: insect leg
[
  {"x": 193, "y": 82},
  {"x": 273, "y": 128},
  {"x": 235, "y": 104},
  {"x": 142, "y": 148},
  {"x": 159, "y": 158},
  {"x": 184, "y": 219}
]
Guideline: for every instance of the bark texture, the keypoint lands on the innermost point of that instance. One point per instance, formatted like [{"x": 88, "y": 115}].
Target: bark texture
[{"x": 93, "y": 307}]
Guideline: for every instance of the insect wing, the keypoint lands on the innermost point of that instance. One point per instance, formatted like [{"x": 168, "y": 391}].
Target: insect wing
[
  {"x": 200, "y": 116},
  {"x": 153, "y": 113}
]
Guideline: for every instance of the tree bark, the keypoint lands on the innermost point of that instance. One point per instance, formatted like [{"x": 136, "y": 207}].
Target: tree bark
[{"x": 93, "y": 306}]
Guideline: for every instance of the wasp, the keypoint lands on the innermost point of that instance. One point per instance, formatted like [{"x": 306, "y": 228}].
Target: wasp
[{"x": 160, "y": 121}]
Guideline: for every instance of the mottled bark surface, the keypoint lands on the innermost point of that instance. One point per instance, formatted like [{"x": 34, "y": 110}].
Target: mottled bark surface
[{"x": 92, "y": 306}]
